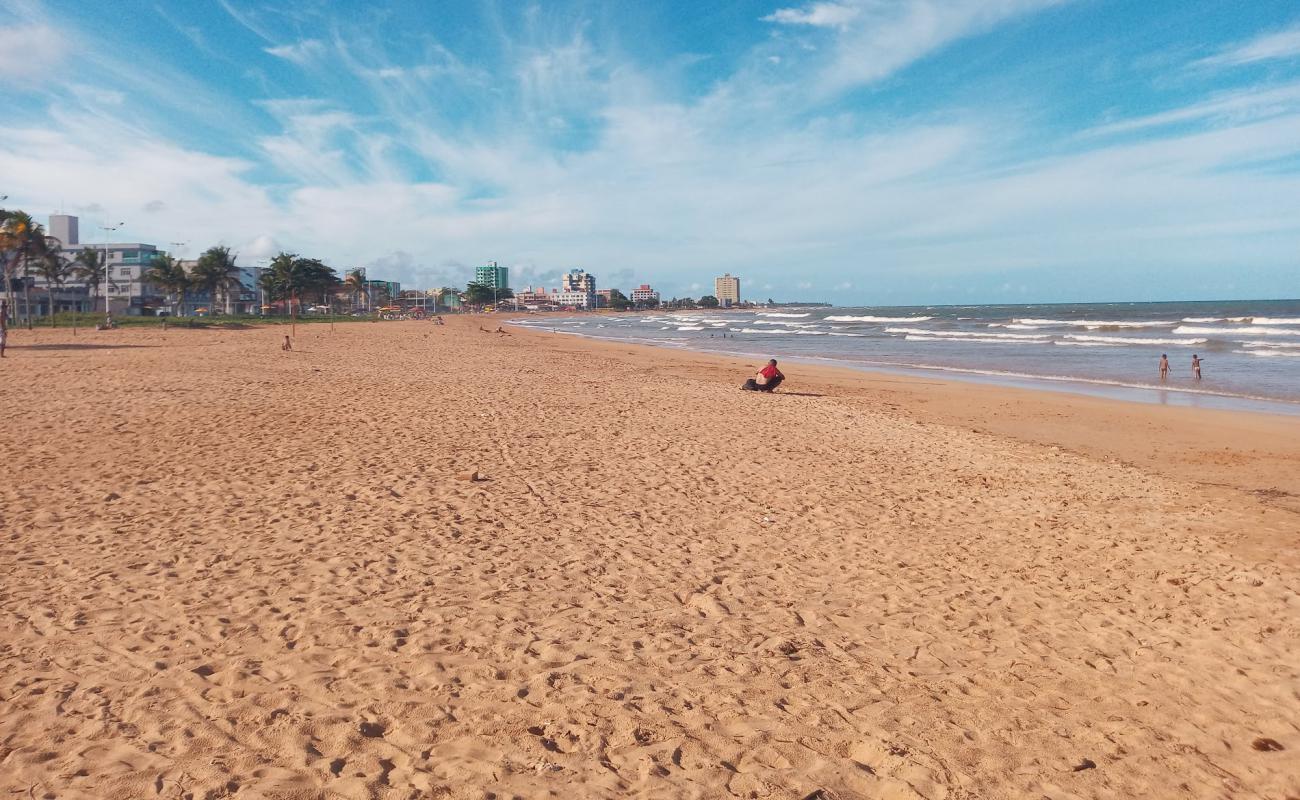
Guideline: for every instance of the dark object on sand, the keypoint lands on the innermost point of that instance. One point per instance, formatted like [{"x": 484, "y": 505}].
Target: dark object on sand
[{"x": 752, "y": 385}]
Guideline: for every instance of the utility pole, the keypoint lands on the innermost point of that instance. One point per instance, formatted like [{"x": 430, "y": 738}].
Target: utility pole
[{"x": 108, "y": 230}]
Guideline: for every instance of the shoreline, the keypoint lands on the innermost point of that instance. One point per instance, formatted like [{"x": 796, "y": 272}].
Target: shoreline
[
  {"x": 1097, "y": 426},
  {"x": 1180, "y": 396}
]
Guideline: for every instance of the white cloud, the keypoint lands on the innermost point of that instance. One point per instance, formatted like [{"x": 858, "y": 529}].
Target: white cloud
[
  {"x": 887, "y": 36},
  {"x": 29, "y": 51},
  {"x": 258, "y": 248},
  {"x": 301, "y": 53},
  {"x": 96, "y": 95},
  {"x": 820, "y": 15},
  {"x": 676, "y": 189},
  {"x": 1232, "y": 107},
  {"x": 1281, "y": 44}
]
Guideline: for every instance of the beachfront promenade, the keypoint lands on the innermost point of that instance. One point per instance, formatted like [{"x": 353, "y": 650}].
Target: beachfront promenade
[{"x": 230, "y": 570}]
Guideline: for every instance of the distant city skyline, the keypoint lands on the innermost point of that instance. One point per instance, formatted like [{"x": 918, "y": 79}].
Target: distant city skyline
[{"x": 880, "y": 152}]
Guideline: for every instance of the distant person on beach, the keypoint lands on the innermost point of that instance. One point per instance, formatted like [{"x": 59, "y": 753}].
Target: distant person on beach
[
  {"x": 767, "y": 379},
  {"x": 4, "y": 325},
  {"x": 1164, "y": 366},
  {"x": 1196, "y": 366}
]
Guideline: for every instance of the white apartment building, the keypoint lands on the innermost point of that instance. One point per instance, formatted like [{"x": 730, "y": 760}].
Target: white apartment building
[
  {"x": 126, "y": 289},
  {"x": 578, "y": 299},
  {"x": 578, "y": 282},
  {"x": 645, "y": 297}
]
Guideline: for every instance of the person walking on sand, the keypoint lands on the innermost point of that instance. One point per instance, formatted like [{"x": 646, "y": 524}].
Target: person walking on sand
[
  {"x": 4, "y": 325},
  {"x": 1164, "y": 366},
  {"x": 1196, "y": 366}
]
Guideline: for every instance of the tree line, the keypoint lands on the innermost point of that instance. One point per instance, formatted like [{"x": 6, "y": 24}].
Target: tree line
[{"x": 27, "y": 249}]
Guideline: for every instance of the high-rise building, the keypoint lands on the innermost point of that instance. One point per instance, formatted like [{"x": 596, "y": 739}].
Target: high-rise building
[
  {"x": 65, "y": 228},
  {"x": 579, "y": 282},
  {"x": 493, "y": 276},
  {"x": 727, "y": 290},
  {"x": 645, "y": 297}
]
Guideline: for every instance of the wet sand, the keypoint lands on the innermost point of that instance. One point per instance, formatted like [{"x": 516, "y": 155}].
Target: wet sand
[{"x": 229, "y": 570}]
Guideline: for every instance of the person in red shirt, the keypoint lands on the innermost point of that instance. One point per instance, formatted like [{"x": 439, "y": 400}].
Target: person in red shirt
[{"x": 767, "y": 379}]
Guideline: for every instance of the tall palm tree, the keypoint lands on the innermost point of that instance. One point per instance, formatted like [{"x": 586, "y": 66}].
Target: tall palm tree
[
  {"x": 89, "y": 266},
  {"x": 169, "y": 275},
  {"x": 290, "y": 277},
  {"x": 279, "y": 280},
  {"x": 23, "y": 242},
  {"x": 215, "y": 271},
  {"x": 56, "y": 270},
  {"x": 356, "y": 283}
]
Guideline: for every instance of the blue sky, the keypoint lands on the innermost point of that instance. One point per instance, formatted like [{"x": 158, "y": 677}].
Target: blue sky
[{"x": 857, "y": 151}]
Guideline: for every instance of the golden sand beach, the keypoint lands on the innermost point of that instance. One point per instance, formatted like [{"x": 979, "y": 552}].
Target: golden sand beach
[{"x": 232, "y": 571}]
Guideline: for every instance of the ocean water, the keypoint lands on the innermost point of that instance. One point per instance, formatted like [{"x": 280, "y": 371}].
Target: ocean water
[{"x": 1250, "y": 351}]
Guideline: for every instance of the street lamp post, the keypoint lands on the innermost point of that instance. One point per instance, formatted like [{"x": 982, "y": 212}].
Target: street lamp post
[
  {"x": 108, "y": 233},
  {"x": 179, "y": 246}
]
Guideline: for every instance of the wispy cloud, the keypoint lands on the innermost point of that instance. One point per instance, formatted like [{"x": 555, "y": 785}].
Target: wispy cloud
[
  {"x": 818, "y": 15},
  {"x": 300, "y": 53},
  {"x": 28, "y": 51},
  {"x": 419, "y": 155},
  {"x": 249, "y": 20},
  {"x": 1282, "y": 44},
  {"x": 1233, "y": 107},
  {"x": 884, "y": 37}
]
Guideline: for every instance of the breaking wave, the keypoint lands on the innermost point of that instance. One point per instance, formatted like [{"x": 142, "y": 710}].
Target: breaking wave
[
  {"x": 1097, "y": 323},
  {"x": 877, "y": 319},
  {"x": 1033, "y": 337},
  {"x": 1252, "y": 330},
  {"x": 1079, "y": 337}
]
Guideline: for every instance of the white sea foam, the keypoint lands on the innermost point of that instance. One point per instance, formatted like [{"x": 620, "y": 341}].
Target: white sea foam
[
  {"x": 1014, "y": 326},
  {"x": 1272, "y": 344},
  {"x": 1287, "y": 353},
  {"x": 1097, "y": 323},
  {"x": 785, "y": 323},
  {"x": 765, "y": 330},
  {"x": 1252, "y": 330},
  {"x": 1086, "y": 344},
  {"x": 854, "y": 335},
  {"x": 912, "y": 337},
  {"x": 690, "y": 327},
  {"x": 1034, "y": 337},
  {"x": 1216, "y": 319},
  {"x": 1079, "y": 337},
  {"x": 1276, "y": 320},
  {"x": 812, "y": 333},
  {"x": 787, "y": 316},
  {"x": 877, "y": 319}
]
